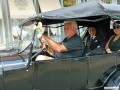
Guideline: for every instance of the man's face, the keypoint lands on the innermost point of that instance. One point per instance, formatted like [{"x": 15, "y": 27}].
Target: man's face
[
  {"x": 67, "y": 29},
  {"x": 92, "y": 31}
]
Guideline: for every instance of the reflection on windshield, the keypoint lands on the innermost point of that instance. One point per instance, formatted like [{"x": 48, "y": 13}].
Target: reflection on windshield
[
  {"x": 82, "y": 31},
  {"x": 26, "y": 38}
]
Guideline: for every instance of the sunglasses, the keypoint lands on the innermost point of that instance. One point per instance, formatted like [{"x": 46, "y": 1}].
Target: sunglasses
[{"x": 116, "y": 27}]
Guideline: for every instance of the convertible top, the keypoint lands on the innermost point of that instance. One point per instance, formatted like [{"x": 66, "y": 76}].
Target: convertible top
[{"x": 90, "y": 11}]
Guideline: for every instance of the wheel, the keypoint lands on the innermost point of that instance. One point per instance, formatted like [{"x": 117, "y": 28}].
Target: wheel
[{"x": 114, "y": 82}]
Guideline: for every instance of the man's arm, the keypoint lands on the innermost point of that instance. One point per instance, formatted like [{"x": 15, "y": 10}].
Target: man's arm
[{"x": 57, "y": 47}]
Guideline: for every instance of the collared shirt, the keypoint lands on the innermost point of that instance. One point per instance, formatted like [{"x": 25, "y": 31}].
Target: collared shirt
[
  {"x": 92, "y": 37},
  {"x": 96, "y": 42},
  {"x": 75, "y": 47}
]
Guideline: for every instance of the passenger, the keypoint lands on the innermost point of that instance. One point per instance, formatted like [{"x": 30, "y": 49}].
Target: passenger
[
  {"x": 94, "y": 41},
  {"x": 113, "y": 44},
  {"x": 72, "y": 45}
]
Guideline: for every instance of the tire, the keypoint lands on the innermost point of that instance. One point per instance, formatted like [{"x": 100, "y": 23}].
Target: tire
[{"x": 114, "y": 82}]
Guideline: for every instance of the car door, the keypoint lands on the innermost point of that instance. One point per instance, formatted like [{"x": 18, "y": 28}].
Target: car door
[
  {"x": 61, "y": 74},
  {"x": 15, "y": 74}
]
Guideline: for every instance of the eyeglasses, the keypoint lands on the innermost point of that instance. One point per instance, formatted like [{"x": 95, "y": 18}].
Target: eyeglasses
[{"x": 116, "y": 27}]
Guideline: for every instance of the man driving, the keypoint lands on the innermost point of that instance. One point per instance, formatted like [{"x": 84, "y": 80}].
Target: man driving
[{"x": 72, "y": 46}]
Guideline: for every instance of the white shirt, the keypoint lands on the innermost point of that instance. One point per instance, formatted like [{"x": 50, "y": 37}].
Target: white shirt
[{"x": 93, "y": 37}]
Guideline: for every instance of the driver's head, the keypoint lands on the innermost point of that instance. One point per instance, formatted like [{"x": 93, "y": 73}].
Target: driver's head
[
  {"x": 92, "y": 31},
  {"x": 70, "y": 28}
]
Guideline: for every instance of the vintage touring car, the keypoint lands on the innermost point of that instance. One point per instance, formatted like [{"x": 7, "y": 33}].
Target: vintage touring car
[{"x": 19, "y": 70}]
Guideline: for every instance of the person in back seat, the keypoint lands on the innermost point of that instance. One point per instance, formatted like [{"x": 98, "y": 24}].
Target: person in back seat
[
  {"x": 113, "y": 44},
  {"x": 72, "y": 45},
  {"x": 94, "y": 41}
]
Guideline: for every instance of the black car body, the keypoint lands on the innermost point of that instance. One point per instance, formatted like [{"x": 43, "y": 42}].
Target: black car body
[{"x": 81, "y": 73}]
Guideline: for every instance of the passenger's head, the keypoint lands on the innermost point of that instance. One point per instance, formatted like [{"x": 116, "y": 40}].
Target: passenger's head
[
  {"x": 116, "y": 27},
  {"x": 92, "y": 31},
  {"x": 70, "y": 28}
]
